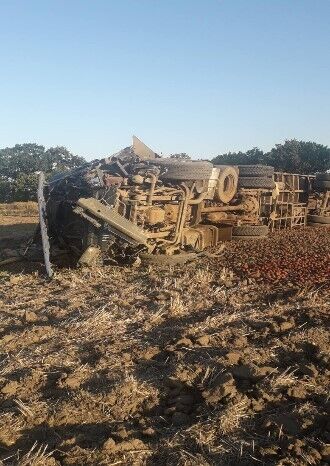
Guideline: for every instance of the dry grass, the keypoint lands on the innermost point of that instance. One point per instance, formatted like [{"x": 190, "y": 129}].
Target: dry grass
[
  {"x": 36, "y": 456},
  {"x": 233, "y": 415},
  {"x": 20, "y": 209},
  {"x": 11, "y": 427},
  {"x": 285, "y": 379},
  {"x": 177, "y": 307},
  {"x": 203, "y": 277}
]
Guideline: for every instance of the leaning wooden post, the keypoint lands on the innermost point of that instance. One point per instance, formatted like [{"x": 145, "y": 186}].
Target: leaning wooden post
[{"x": 43, "y": 224}]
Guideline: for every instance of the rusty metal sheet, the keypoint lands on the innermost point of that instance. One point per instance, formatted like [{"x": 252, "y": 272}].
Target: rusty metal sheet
[
  {"x": 143, "y": 151},
  {"x": 118, "y": 224},
  {"x": 225, "y": 233}
]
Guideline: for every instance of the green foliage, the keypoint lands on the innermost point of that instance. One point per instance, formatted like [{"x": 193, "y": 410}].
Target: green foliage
[
  {"x": 300, "y": 157},
  {"x": 293, "y": 156},
  {"x": 59, "y": 159},
  {"x": 250, "y": 157},
  {"x": 25, "y": 187},
  {"x": 20, "y": 164},
  {"x": 5, "y": 190}
]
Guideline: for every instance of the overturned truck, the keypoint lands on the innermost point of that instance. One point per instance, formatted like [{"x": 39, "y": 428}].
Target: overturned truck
[{"x": 137, "y": 203}]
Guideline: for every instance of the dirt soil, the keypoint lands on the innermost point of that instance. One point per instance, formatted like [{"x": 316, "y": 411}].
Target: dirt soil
[
  {"x": 222, "y": 361},
  {"x": 14, "y": 229}
]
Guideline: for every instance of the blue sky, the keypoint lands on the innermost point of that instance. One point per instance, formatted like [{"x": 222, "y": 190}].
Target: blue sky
[{"x": 196, "y": 76}]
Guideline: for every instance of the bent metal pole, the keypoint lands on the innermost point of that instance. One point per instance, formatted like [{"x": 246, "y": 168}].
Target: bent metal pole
[{"x": 43, "y": 224}]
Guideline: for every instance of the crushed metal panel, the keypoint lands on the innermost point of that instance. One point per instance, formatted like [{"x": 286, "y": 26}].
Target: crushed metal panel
[
  {"x": 118, "y": 224},
  {"x": 143, "y": 151}
]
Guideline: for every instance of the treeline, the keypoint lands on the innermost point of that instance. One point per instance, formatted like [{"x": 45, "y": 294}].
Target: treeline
[
  {"x": 19, "y": 167},
  {"x": 293, "y": 157},
  {"x": 20, "y": 164}
]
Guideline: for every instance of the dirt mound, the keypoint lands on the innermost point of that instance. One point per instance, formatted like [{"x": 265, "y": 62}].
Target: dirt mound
[
  {"x": 192, "y": 365},
  {"x": 16, "y": 232}
]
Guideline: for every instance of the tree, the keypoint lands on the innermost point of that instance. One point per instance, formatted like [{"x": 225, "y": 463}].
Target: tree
[
  {"x": 293, "y": 157},
  {"x": 24, "y": 187},
  {"x": 5, "y": 190},
  {"x": 59, "y": 159},
  {"x": 22, "y": 158},
  {"x": 20, "y": 164},
  {"x": 250, "y": 157},
  {"x": 299, "y": 157}
]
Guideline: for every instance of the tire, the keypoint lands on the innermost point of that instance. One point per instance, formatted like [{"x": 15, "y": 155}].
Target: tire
[
  {"x": 256, "y": 183},
  {"x": 251, "y": 230},
  {"x": 256, "y": 170},
  {"x": 247, "y": 238},
  {"x": 322, "y": 177},
  {"x": 226, "y": 185},
  {"x": 318, "y": 219},
  {"x": 322, "y": 185},
  {"x": 185, "y": 171}
]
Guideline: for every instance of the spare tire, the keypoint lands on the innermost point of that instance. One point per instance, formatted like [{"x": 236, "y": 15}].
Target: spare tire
[
  {"x": 256, "y": 183},
  {"x": 322, "y": 177},
  {"x": 318, "y": 219},
  {"x": 322, "y": 185},
  {"x": 184, "y": 171},
  {"x": 226, "y": 185},
  {"x": 256, "y": 170},
  {"x": 251, "y": 230}
]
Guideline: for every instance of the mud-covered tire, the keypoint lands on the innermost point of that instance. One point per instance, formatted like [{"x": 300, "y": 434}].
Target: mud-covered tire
[
  {"x": 163, "y": 259},
  {"x": 185, "y": 171},
  {"x": 255, "y": 170},
  {"x": 247, "y": 238},
  {"x": 322, "y": 185},
  {"x": 322, "y": 177},
  {"x": 251, "y": 230},
  {"x": 226, "y": 185},
  {"x": 256, "y": 182},
  {"x": 318, "y": 219}
]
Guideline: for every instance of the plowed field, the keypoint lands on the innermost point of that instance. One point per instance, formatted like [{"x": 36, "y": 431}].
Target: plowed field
[{"x": 222, "y": 361}]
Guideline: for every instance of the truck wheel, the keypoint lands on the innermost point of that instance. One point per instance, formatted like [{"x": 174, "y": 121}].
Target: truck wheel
[
  {"x": 185, "y": 171},
  {"x": 256, "y": 170},
  {"x": 251, "y": 230},
  {"x": 318, "y": 219},
  {"x": 226, "y": 185},
  {"x": 256, "y": 183}
]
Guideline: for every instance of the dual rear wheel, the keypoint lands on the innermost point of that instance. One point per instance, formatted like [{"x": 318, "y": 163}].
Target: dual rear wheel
[{"x": 256, "y": 177}]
